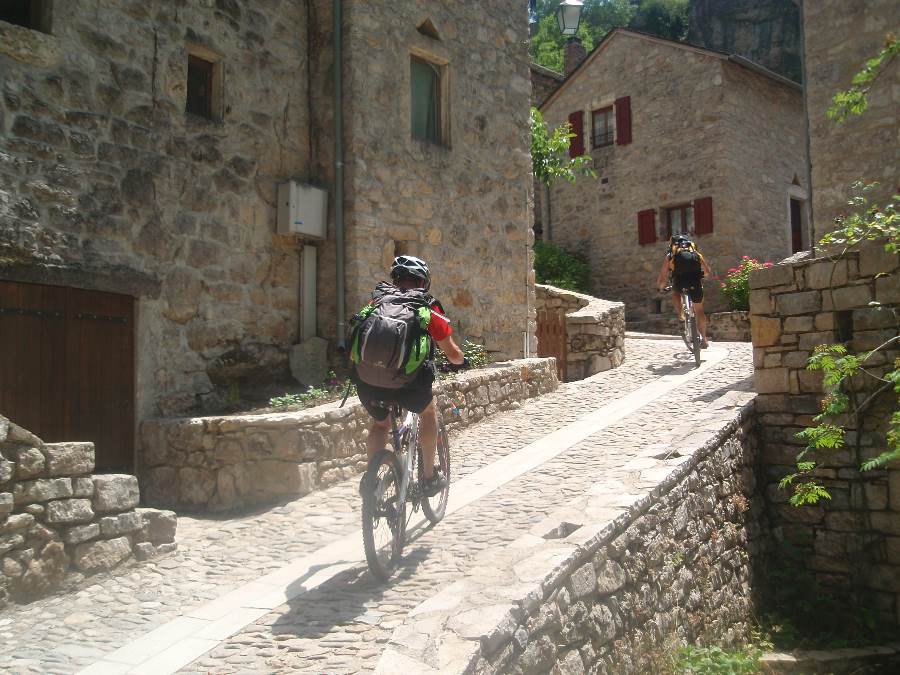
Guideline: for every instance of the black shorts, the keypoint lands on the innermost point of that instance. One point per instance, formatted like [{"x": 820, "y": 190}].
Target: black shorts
[
  {"x": 414, "y": 397},
  {"x": 694, "y": 287}
]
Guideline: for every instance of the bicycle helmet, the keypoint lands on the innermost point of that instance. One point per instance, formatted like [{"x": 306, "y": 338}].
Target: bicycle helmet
[{"x": 408, "y": 266}]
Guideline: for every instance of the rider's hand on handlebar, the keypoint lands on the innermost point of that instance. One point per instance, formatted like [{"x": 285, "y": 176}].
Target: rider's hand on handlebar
[{"x": 455, "y": 367}]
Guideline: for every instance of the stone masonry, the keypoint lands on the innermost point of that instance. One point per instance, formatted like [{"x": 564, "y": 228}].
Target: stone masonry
[
  {"x": 702, "y": 126},
  {"x": 853, "y": 539},
  {"x": 57, "y": 518},
  {"x": 866, "y": 147},
  {"x": 108, "y": 184},
  {"x": 220, "y": 463},
  {"x": 616, "y": 580},
  {"x": 595, "y": 330}
]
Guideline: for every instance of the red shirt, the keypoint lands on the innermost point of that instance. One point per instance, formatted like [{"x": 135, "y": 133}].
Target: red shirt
[{"x": 439, "y": 327}]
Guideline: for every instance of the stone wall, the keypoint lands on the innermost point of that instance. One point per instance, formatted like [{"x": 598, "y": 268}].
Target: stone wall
[
  {"x": 852, "y": 541},
  {"x": 57, "y": 519},
  {"x": 731, "y": 122},
  {"x": 595, "y": 330},
  {"x": 463, "y": 205},
  {"x": 764, "y": 31},
  {"x": 543, "y": 83},
  {"x": 106, "y": 180},
  {"x": 720, "y": 326},
  {"x": 219, "y": 463},
  {"x": 838, "y": 44},
  {"x": 617, "y": 581}
]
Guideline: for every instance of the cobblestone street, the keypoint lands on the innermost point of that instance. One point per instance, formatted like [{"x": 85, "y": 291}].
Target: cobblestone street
[{"x": 340, "y": 625}]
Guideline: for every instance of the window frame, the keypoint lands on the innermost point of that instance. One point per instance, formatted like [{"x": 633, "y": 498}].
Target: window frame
[
  {"x": 40, "y": 17},
  {"x": 609, "y": 135},
  {"x": 683, "y": 208},
  {"x": 440, "y": 66},
  {"x": 216, "y": 81}
]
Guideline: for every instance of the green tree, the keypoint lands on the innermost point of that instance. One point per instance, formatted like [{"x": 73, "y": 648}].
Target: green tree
[{"x": 549, "y": 158}]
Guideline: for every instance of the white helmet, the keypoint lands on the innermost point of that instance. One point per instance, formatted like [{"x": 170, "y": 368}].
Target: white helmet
[{"x": 406, "y": 266}]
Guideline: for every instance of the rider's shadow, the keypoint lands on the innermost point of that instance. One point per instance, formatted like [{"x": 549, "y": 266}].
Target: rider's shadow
[{"x": 685, "y": 364}]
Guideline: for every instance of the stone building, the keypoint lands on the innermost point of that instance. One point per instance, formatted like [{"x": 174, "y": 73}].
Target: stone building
[
  {"x": 142, "y": 146},
  {"x": 866, "y": 147},
  {"x": 682, "y": 138}
]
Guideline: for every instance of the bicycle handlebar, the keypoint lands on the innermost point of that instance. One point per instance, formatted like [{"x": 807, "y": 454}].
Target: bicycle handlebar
[{"x": 454, "y": 367}]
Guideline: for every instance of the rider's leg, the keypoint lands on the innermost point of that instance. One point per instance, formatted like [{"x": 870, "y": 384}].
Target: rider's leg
[
  {"x": 676, "y": 301},
  {"x": 701, "y": 319},
  {"x": 378, "y": 433},
  {"x": 428, "y": 438}
]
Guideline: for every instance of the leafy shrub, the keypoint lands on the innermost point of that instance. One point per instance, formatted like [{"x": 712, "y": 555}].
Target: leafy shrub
[
  {"x": 555, "y": 267},
  {"x": 476, "y": 353},
  {"x": 736, "y": 286},
  {"x": 329, "y": 389},
  {"x": 717, "y": 661}
]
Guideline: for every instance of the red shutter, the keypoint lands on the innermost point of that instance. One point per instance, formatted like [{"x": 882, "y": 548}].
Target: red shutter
[
  {"x": 703, "y": 218},
  {"x": 647, "y": 227},
  {"x": 576, "y": 147},
  {"x": 623, "y": 120}
]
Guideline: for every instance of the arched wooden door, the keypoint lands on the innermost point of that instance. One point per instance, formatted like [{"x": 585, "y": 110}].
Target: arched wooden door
[{"x": 67, "y": 367}]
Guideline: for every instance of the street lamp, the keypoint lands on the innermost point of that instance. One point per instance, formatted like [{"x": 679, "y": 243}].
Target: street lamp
[{"x": 568, "y": 16}]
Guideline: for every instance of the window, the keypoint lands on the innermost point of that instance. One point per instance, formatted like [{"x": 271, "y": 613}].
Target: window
[
  {"x": 204, "y": 84},
  {"x": 679, "y": 220},
  {"x": 33, "y": 14},
  {"x": 426, "y": 101},
  {"x": 602, "y": 127}
]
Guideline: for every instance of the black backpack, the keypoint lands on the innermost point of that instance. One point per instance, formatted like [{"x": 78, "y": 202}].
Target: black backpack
[
  {"x": 389, "y": 340},
  {"x": 686, "y": 261}
]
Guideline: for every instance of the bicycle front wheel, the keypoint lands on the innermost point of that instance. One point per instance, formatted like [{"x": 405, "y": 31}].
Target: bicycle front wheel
[
  {"x": 383, "y": 514},
  {"x": 695, "y": 339},
  {"x": 435, "y": 507}
]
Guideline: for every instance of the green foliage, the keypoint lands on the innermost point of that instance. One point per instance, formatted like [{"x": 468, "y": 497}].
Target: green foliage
[
  {"x": 736, "y": 286},
  {"x": 854, "y": 101},
  {"x": 549, "y": 156},
  {"x": 476, "y": 353},
  {"x": 555, "y": 267},
  {"x": 866, "y": 222},
  {"x": 666, "y": 18},
  {"x": 717, "y": 661},
  {"x": 332, "y": 387}
]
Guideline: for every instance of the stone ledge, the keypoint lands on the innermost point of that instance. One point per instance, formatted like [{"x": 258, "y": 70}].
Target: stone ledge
[
  {"x": 226, "y": 462},
  {"x": 499, "y": 613}
]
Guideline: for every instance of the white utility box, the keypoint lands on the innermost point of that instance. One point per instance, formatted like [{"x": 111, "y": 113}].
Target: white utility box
[{"x": 302, "y": 209}]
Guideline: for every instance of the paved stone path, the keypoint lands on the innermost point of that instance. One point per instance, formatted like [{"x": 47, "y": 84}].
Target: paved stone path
[{"x": 340, "y": 626}]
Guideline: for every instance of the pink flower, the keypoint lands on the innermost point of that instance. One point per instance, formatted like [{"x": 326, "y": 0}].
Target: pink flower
[
  {"x": 732, "y": 270},
  {"x": 745, "y": 257},
  {"x": 768, "y": 264}
]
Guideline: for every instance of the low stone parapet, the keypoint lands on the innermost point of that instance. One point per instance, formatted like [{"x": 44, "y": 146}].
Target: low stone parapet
[
  {"x": 220, "y": 463},
  {"x": 616, "y": 581},
  {"x": 720, "y": 327},
  {"x": 56, "y": 517},
  {"x": 595, "y": 330}
]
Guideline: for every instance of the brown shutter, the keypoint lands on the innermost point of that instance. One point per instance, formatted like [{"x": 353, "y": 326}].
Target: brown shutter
[
  {"x": 703, "y": 216},
  {"x": 647, "y": 227},
  {"x": 576, "y": 147},
  {"x": 623, "y": 120}
]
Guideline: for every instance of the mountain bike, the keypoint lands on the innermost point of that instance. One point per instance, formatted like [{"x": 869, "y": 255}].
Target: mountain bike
[
  {"x": 690, "y": 332},
  {"x": 393, "y": 479}
]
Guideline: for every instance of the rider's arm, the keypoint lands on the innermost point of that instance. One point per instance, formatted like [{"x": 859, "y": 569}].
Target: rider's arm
[
  {"x": 453, "y": 352},
  {"x": 706, "y": 267},
  {"x": 663, "y": 274}
]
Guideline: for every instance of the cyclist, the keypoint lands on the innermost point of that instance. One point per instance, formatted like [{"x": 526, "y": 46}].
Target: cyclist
[
  {"x": 687, "y": 266},
  {"x": 410, "y": 281}
]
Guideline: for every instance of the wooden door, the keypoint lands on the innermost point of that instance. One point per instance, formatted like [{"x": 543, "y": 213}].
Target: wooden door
[
  {"x": 67, "y": 366},
  {"x": 552, "y": 338}
]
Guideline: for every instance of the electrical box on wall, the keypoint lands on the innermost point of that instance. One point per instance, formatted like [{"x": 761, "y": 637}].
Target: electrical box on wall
[{"x": 302, "y": 209}]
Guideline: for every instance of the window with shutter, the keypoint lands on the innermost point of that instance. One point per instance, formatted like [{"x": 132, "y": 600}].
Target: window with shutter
[
  {"x": 703, "y": 215},
  {"x": 646, "y": 227},
  {"x": 576, "y": 147},
  {"x": 623, "y": 120}
]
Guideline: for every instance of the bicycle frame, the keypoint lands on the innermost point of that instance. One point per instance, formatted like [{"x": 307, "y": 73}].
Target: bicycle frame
[{"x": 409, "y": 425}]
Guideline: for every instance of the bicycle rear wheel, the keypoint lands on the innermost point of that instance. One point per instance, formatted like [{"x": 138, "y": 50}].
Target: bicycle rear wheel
[
  {"x": 435, "y": 507},
  {"x": 695, "y": 339},
  {"x": 383, "y": 514}
]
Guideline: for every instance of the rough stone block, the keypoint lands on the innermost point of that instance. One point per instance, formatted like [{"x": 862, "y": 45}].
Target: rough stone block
[
  {"x": 115, "y": 492},
  {"x": 798, "y": 324},
  {"x": 82, "y": 533},
  {"x": 144, "y": 551},
  {"x": 8, "y": 542},
  {"x": 824, "y": 321},
  {"x": 29, "y": 463},
  {"x": 850, "y": 297},
  {"x": 804, "y": 302},
  {"x": 309, "y": 361},
  {"x": 42, "y": 490},
  {"x": 810, "y": 381},
  {"x": 96, "y": 556},
  {"x": 7, "y": 469},
  {"x": 767, "y": 277},
  {"x": 761, "y": 301},
  {"x": 771, "y": 380},
  {"x": 122, "y": 523},
  {"x": 873, "y": 259},
  {"x": 18, "y": 521},
  {"x": 83, "y": 487},
  {"x": 610, "y": 577},
  {"x": 764, "y": 331},
  {"x": 873, "y": 318},
  {"x": 887, "y": 289},
  {"x": 69, "y": 511},
  {"x": 69, "y": 459},
  {"x": 809, "y": 341},
  {"x": 826, "y": 274},
  {"x": 159, "y": 526}
]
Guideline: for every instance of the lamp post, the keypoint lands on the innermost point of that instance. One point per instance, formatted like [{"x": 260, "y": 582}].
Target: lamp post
[{"x": 568, "y": 16}]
